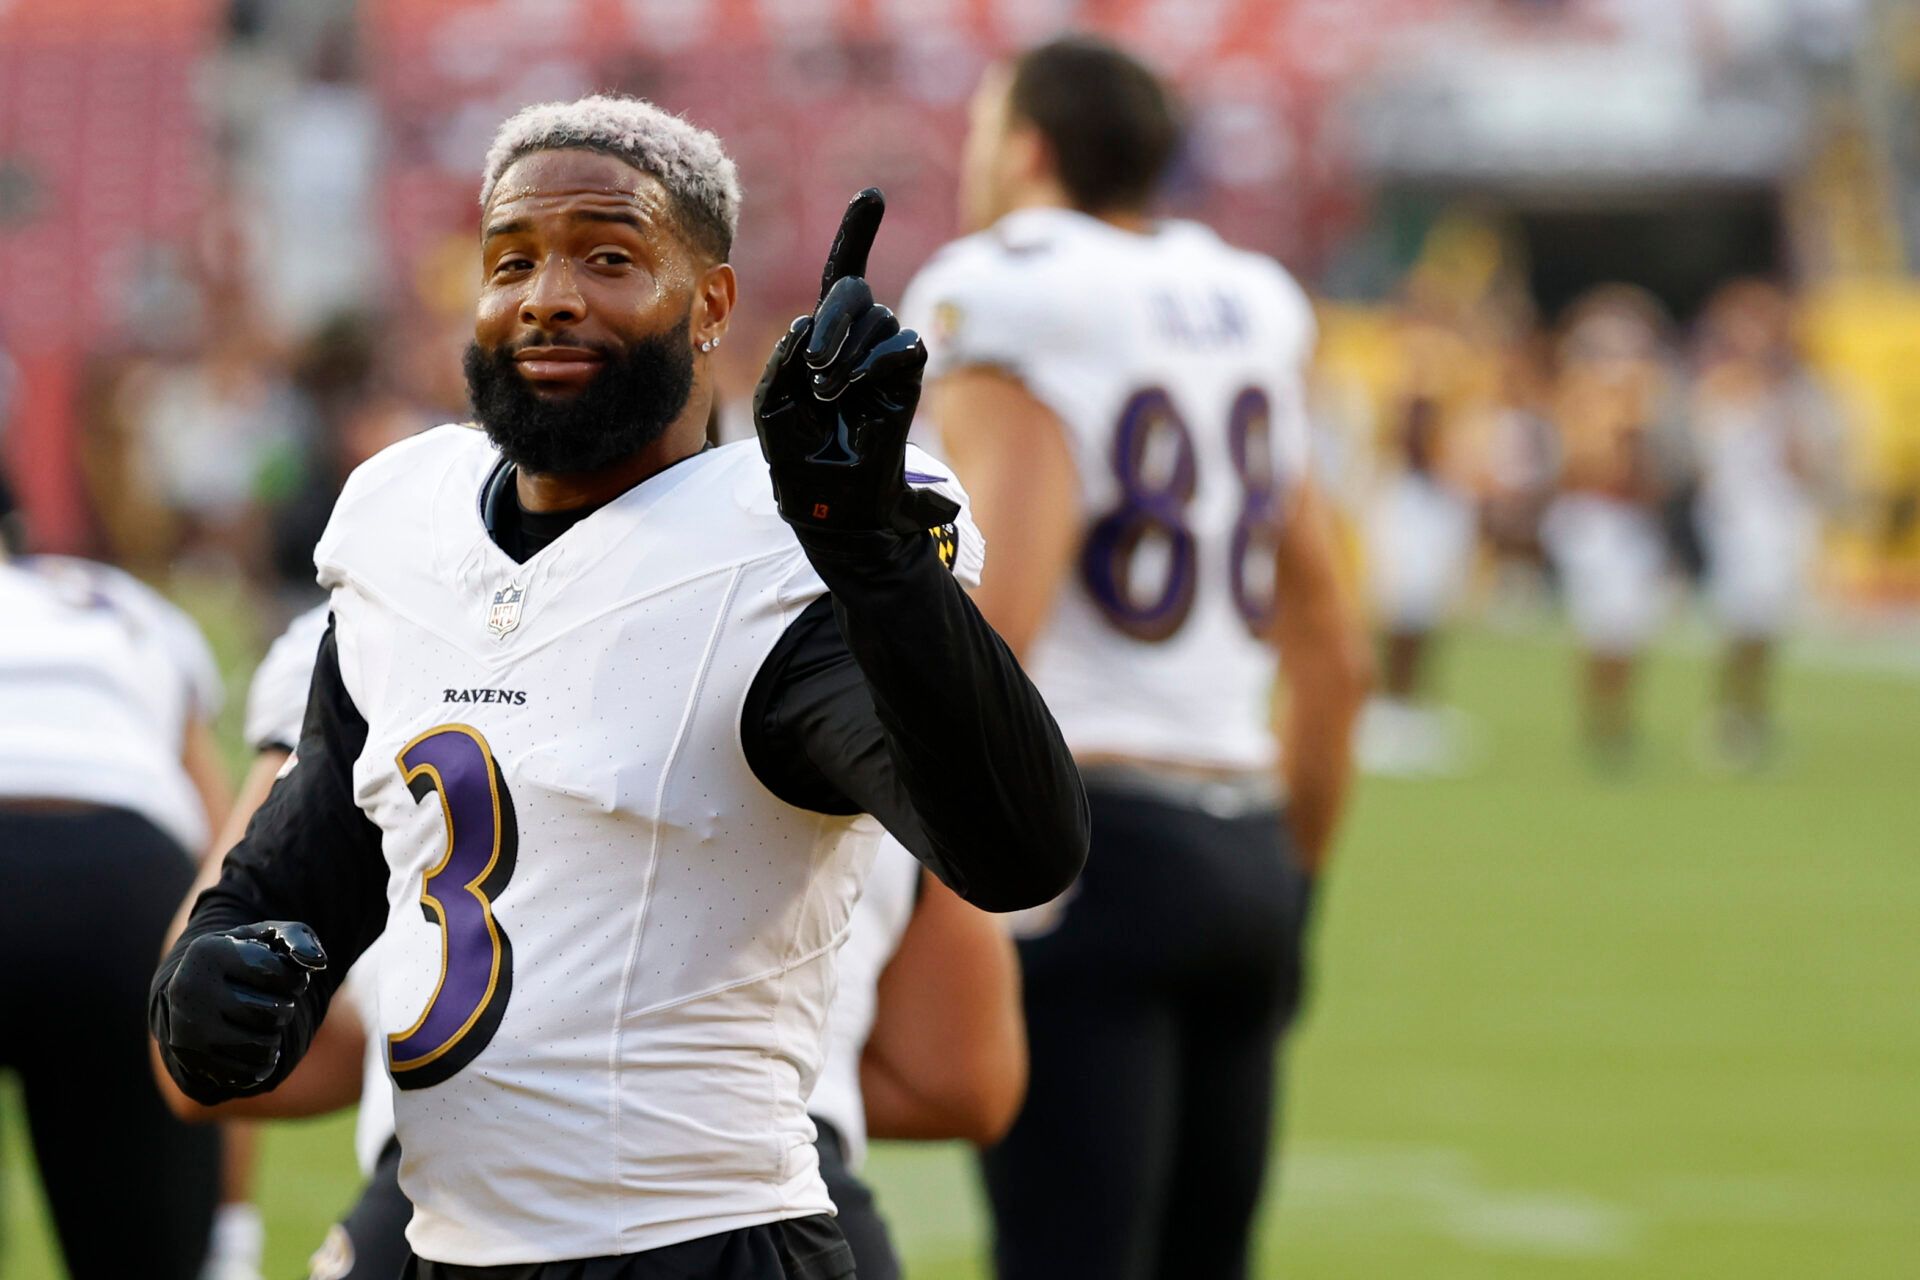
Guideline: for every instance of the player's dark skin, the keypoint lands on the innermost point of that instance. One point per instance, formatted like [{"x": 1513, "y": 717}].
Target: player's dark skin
[{"x": 579, "y": 250}]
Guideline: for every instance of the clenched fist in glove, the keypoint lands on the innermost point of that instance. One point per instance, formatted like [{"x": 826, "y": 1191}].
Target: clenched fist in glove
[{"x": 222, "y": 1017}]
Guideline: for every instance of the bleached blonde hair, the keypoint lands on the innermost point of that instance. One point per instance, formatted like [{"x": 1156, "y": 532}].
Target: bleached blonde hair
[{"x": 688, "y": 161}]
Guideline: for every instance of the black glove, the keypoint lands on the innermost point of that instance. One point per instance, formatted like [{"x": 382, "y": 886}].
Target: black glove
[
  {"x": 221, "y": 1018},
  {"x": 837, "y": 398}
]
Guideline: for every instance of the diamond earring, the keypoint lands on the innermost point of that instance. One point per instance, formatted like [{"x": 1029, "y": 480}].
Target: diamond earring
[{"x": 708, "y": 344}]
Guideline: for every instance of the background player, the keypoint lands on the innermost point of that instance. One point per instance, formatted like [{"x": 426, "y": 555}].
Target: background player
[
  {"x": 109, "y": 786},
  {"x": 1124, "y": 399},
  {"x": 682, "y": 728}
]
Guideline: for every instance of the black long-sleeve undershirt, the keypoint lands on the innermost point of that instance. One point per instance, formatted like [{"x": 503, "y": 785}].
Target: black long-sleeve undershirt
[
  {"x": 890, "y": 696},
  {"x": 309, "y": 854}
]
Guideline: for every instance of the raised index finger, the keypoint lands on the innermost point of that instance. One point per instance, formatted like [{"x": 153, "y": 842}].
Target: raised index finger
[{"x": 858, "y": 225}]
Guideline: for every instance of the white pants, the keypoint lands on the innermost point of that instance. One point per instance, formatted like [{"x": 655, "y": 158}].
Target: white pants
[
  {"x": 1756, "y": 564},
  {"x": 1612, "y": 564},
  {"x": 1420, "y": 545}
]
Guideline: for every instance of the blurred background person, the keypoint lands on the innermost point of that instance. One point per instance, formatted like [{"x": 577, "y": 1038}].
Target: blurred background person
[
  {"x": 110, "y": 784},
  {"x": 1603, "y": 531},
  {"x": 1124, "y": 399},
  {"x": 1419, "y": 551},
  {"x": 1766, "y": 440},
  {"x": 1516, "y": 466}
]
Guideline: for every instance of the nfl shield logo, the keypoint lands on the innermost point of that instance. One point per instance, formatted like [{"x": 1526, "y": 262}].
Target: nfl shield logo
[{"x": 503, "y": 615}]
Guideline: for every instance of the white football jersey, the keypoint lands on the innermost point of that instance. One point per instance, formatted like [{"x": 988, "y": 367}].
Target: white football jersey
[
  {"x": 1175, "y": 363},
  {"x": 99, "y": 680},
  {"x": 609, "y": 949},
  {"x": 879, "y": 920},
  {"x": 277, "y": 697},
  {"x": 276, "y": 707},
  {"x": 373, "y": 1123}
]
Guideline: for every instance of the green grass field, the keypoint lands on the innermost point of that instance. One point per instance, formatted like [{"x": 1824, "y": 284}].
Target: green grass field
[{"x": 1659, "y": 1027}]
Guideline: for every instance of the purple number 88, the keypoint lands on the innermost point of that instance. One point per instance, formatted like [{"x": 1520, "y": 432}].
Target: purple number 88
[{"x": 1154, "y": 460}]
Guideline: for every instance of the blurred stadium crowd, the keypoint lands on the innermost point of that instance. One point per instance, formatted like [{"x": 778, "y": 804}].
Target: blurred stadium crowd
[{"x": 239, "y": 235}]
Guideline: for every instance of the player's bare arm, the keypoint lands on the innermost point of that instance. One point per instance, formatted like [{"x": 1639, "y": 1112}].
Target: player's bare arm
[
  {"x": 947, "y": 1056},
  {"x": 1012, "y": 452},
  {"x": 1327, "y": 668}
]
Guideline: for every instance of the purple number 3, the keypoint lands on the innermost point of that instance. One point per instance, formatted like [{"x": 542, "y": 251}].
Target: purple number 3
[{"x": 476, "y": 959}]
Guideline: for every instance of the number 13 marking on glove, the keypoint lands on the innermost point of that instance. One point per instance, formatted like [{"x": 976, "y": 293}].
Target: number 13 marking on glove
[
  {"x": 1154, "y": 501},
  {"x": 455, "y": 763}
]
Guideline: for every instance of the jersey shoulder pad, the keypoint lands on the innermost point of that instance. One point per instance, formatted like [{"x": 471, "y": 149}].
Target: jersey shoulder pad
[
  {"x": 963, "y": 549},
  {"x": 740, "y": 469},
  {"x": 103, "y": 584},
  {"x": 985, "y": 301},
  {"x": 177, "y": 635},
  {"x": 389, "y": 499},
  {"x": 277, "y": 698},
  {"x": 1293, "y": 309}
]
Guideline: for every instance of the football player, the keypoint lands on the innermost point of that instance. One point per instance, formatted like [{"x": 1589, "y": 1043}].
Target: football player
[
  {"x": 109, "y": 785},
  {"x": 1124, "y": 399},
  {"x": 924, "y": 1037},
  {"x": 596, "y": 729}
]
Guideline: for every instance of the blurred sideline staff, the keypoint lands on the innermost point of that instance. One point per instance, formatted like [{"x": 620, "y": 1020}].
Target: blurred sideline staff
[
  {"x": 1123, "y": 398},
  {"x": 1766, "y": 444},
  {"x": 924, "y": 1036},
  {"x": 1633, "y": 460},
  {"x": 1615, "y": 405},
  {"x": 1420, "y": 534},
  {"x": 109, "y": 785}
]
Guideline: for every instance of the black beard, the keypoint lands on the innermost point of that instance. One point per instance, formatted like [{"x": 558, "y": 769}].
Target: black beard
[{"x": 640, "y": 389}]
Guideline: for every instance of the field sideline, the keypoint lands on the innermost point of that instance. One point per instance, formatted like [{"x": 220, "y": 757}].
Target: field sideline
[{"x": 1658, "y": 1027}]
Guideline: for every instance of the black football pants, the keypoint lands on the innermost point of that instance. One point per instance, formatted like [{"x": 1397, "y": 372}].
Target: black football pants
[
  {"x": 797, "y": 1249},
  {"x": 371, "y": 1244},
  {"x": 85, "y": 897},
  {"x": 1155, "y": 1009},
  {"x": 858, "y": 1215}
]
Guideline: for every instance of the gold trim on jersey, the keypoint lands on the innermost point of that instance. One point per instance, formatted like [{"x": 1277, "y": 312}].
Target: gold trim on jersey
[{"x": 427, "y": 899}]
